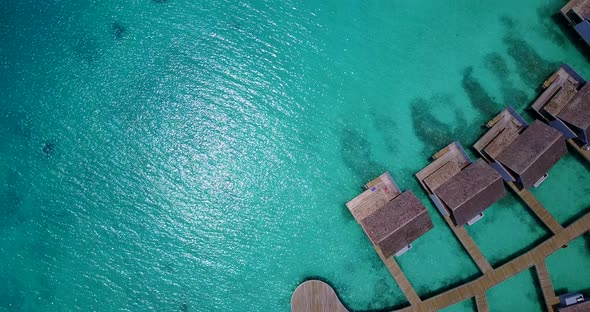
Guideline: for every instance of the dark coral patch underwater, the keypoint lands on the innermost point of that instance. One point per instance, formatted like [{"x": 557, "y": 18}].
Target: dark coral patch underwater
[
  {"x": 497, "y": 65},
  {"x": 432, "y": 132},
  {"x": 10, "y": 199},
  {"x": 512, "y": 96},
  {"x": 356, "y": 154},
  {"x": 118, "y": 31},
  {"x": 531, "y": 67},
  {"x": 48, "y": 149},
  {"x": 480, "y": 99},
  {"x": 16, "y": 122}
]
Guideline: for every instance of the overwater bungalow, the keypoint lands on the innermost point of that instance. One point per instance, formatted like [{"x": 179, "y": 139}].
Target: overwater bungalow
[
  {"x": 460, "y": 187},
  {"x": 577, "y": 12},
  {"x": 521, "y": 153},
  {"x": 565, "y": 104},
  {"x": 392, "y": 219}
]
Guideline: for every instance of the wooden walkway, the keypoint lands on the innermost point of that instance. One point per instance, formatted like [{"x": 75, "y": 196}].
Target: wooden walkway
[
  {"x": 482, "y": 303},
  {"x": 320, "y": 297},
  {"x": 583, "y": 153},
  {"x": 400, "y": 278},
  {"x": 546, "y": 286},
  {"x": 470, "y": 246},
  {"x": 517, "y": 265},
  {"x": 537, "y": 208}
]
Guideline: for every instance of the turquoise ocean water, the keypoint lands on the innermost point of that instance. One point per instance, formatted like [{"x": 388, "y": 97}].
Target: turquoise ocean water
[{"x": 196, "y": 155}]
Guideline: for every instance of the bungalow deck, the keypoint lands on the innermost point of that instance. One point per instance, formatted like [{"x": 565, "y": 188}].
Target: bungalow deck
[
  {"x": 577, "y": 12},
  {"x": 446, "y": 163},
  {"x": 520, "y": 153},
  {"x": 564, "y": 95}
]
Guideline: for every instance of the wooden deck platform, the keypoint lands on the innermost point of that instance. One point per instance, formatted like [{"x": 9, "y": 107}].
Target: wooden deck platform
[
  {"x": 503, "y": 129},
  {"x": 537, "y": 208},
  {"x": 582, "y": 7},
  {"x": 369, "y": 201},
  {"x": 546, "y": 286},
  {"x": 446, "y": 163},
  {"x": 315, "y": 296},
  {"x": 470, "y": 246},
  {"x": 558, "y": 91}
]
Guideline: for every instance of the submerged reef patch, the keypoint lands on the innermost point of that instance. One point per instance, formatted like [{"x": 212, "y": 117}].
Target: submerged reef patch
[
  {"x": 118, "y": 31},
  {"x": 356, "y": 154},
  {"x": 482, "y": 101},
  {"x": 86, "y": 48},
  {"x": 12, "y": 297},
  {"x": 387, "y": 127},
  {"x": 515, "y": 97},
  {"x": 508, "y": 22},
  {"x": 10, "y": 202},
  {"x": 531, "y": 67},
  {"x": 496, "y": 64},
  {"x": 184, "y": 307},
  {"x": 10, "y": 199},
  {"x": 433, "y": 133},
  {"x": 48, "y": 148},
  {"x": 549, "y": 20},
  {"x": 382, "y": 292},
  {"x": 17, "y": 123}
]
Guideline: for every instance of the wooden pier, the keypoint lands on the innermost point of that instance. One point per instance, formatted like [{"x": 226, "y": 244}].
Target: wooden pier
[
  {"x": 400, "y": 278},
  {"x": 496, "y": 276},
  {"x": 470, "y": 246},
  {"x": 482, "y": 303},
  {"x": 308, "y": 299},
  {"x": 537, "y": 208},
  {"x": 546, "y": 286}
]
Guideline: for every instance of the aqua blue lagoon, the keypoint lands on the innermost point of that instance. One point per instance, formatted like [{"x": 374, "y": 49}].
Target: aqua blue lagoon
[{"x": 196, "y": 155}]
